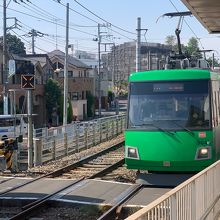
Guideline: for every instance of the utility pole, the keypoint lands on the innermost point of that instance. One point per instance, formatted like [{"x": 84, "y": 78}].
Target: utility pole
[
  {"x": 4, "y": 73},
  {"x": 65, "y": 95},
  {"x": 99, "y": 72},
  {"x": 138, "y": 45},
  {"x": 34, "y": 33}
]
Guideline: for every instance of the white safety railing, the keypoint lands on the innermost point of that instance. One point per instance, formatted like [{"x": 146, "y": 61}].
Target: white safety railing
[
  {"x": 195, "y": 199},
  {"x": 54, "y": 143}
]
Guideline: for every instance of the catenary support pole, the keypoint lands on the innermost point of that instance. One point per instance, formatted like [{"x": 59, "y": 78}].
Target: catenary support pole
[
  {"x": 138, "y": 47},
  {"x": 65, "y": 95}
]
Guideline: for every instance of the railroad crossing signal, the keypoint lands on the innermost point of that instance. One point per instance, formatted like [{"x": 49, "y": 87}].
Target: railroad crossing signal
[{"x": 27, "y": 82}]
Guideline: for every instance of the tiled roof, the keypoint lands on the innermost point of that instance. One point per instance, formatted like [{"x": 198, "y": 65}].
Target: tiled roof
[{"x": 71, "y": 60}]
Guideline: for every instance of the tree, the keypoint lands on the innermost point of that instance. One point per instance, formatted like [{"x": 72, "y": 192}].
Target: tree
[
  {"x": 216, "y": 63},
  {"x": 69, "y": 112},
  {"x": 14, "y": 44},
  {"x": 170, "y": 41},
  {"x": 192, "y": 48},
  {"x": 90, "y": 104},
  {"x": 53, "y": 97}
]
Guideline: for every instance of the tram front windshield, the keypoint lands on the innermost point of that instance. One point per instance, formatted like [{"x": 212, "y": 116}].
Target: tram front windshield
[{"x": 173, "y": 105}]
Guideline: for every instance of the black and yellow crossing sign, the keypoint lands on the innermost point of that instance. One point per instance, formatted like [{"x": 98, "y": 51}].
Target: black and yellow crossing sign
[{"x": 27, "y": 81}]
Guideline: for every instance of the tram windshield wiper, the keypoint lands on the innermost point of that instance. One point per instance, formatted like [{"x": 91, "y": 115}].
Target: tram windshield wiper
[
  {"x": 185, "y": 128},
  {"x": 156, "y": 126}
]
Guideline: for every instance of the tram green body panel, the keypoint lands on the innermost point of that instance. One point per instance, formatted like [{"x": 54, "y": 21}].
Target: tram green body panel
[
  {"x": 159, "y": 151},
  {"x": 166, "y": 75},
  {"x": 172, "y": 150}
]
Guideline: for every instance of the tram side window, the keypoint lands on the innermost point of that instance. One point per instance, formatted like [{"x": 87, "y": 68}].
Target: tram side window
[{"x": 214, "y": 109}]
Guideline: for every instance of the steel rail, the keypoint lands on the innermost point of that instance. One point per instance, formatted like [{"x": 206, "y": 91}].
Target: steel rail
[
  {"x": 29, "y": 208},
  {"x": 112, "y": 211},
  {"x": 58, "y": 172},
  {"x": 38, "y": 203},
  {"x": 84, "y": 160},
  {"x": 108, "y": 169}
]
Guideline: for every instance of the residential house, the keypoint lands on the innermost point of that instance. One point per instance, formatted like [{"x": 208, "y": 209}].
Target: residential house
[
  {"x": 25, "y": 66},
  {"x": 80, "y": 81}
]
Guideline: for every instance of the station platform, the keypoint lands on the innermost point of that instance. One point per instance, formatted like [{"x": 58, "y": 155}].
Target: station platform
[{"x": 92, "y": 192}]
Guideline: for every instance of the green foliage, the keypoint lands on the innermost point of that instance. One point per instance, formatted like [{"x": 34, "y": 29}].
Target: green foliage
[
  {"x": 14, "y": 44},
  {"x": 216, "y": 63},
  {"x": 171, "y": 41},
  {"x": 111, "y": 96},
  {"x": 53, "y": 96},
  {"x": 69, "y": 112},
  {"x": 90, "y": 104},
  {"x": 192, "y": 48}
]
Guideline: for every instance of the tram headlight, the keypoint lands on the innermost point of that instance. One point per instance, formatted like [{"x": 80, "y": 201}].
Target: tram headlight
[
  {"x": 132, "y": 152},
  {"x": 203, "y": 153}
]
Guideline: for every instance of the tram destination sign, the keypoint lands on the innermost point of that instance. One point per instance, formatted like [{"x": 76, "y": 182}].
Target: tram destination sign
[{"x": 27, "y": 81}]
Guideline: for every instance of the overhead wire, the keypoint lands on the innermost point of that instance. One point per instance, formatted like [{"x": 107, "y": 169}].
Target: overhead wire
[
  {"x": 98, "y": 22},
  {"x": 40, "y": 18},
  {"x": 103, "y": 18}
]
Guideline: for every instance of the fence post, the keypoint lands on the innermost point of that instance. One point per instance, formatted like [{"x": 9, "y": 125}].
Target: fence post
[
  {"x": 37, "y": 152},
  {"x": 113, "y": 127},
  {"x": 54, "y": 149},
  {"x": 173, "y": 214},
  {"x": 65, "y": 144},
  {"x": 93, "y": 133},
  {"x": 117, "y": 118},
  {"x": 100, "y": 131},
  {"x": 86, "y": 136},
  {"x": 107, "y": 130},
  {"x": 193, "y": 202},
  {"x": 77, "y": 138}
]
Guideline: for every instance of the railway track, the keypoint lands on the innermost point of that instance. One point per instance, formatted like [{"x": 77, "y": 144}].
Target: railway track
[
  {"x": 95, "y": 165},
  {"x": 89, "y": 167}
]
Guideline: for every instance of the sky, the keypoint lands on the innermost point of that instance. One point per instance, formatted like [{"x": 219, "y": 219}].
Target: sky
[{"x": 118, "y": 20}]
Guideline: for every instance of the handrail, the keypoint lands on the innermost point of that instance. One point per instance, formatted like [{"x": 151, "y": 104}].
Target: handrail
[{"x": 202, "y": 189}]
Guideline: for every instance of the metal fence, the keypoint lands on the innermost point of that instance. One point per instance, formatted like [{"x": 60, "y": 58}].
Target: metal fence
[
  {"x": 51, "y": 144},
  {"x": 195, "y": 199}
]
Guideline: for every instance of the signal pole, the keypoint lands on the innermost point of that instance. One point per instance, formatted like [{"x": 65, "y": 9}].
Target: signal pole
[{"x": 4, "y": 74}]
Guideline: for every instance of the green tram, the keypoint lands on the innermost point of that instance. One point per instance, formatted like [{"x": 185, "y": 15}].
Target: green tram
[{"x": 173, "y": 120}]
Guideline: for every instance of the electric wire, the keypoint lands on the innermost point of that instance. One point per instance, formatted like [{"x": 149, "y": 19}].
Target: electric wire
[
  {"x": 98, "y": 22},
  {"x": 40, "y": 18},
  {"x": 103, "y": 19}
]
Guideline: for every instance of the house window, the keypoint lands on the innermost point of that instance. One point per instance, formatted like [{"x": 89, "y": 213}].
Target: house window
[
  {"x": 61, "y": 74},
  {"x": 70, "y": 73},
  {"x": 75, "y": 96}
]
